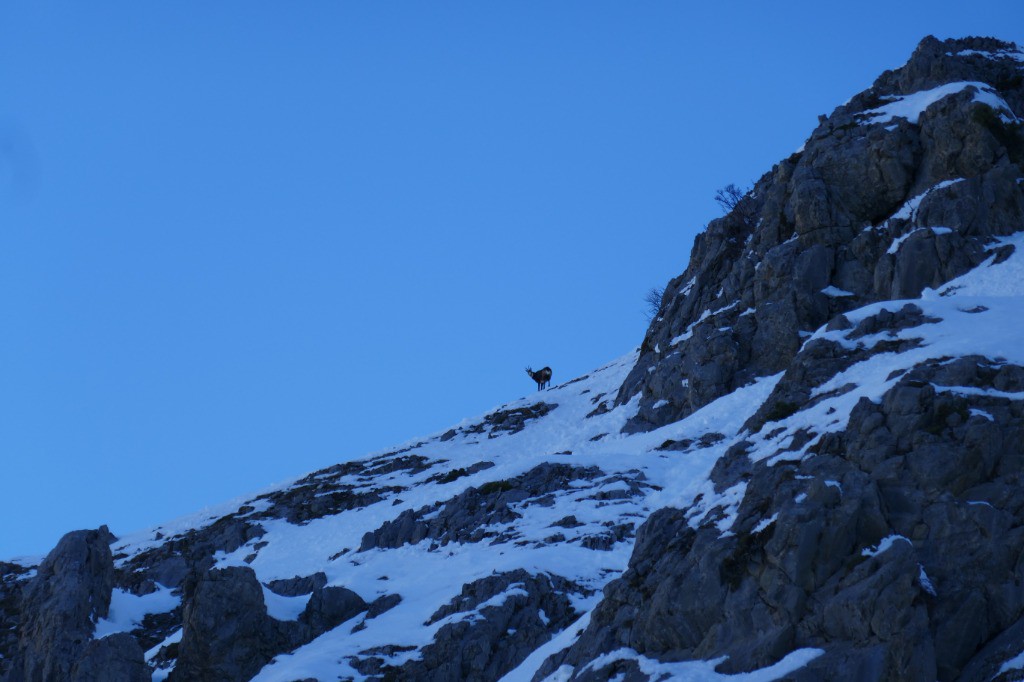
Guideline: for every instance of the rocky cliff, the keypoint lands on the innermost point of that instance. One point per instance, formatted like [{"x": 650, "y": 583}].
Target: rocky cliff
[{"x": 811, "y": 469}]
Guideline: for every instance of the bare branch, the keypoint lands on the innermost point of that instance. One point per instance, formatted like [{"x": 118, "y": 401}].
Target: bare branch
[
  {"x": 729, "y": 197},
  {"x": 652, "y": 299}
]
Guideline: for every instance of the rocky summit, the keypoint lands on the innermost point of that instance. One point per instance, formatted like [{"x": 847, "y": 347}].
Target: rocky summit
[{"x": 812, "y": 468}]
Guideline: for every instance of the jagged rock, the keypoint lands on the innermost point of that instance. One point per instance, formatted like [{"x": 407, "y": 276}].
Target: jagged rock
[
  {"x": 228, "y": 634},
  {"x": 605, "y": 541},
  {"x": 60, "y": 605},
  {"x": 821, "y": 359},
  {"x": 115, "y": 657},
  {"x": 567, "y": 522},
  {"x": 156, "y": 627},
  {"x": 458, "y": 472},
  {"x": 469, "y": 648},
  {"x": 325, "y": 493},
  {"x": 319, "y": 494},
  {"x": 171, "y": 562},
  {"x": 920, "y": 469},
  {"x": 514, "y": 421},
  {"x": 11, "y": 583},
  {"x": 829, "y": 216},
  {"x": 293, "y": 587},
  {"x": 330, "y": 607},
  {"x": 465, "y": 517},
  {"x": 508, "y": 421},
  {"x": 383, "y": 604}
]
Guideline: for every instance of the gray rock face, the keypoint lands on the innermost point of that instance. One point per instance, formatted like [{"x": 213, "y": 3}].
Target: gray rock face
[
  {"x": 12, "y": 578},
  {"x": 325, "y": 493},
  {"x": 115, "y": 657},
  {"x": 829, "y": 216},
  {"x": 920, "y": 468},
  {"x": 171, "y": 562},
  {"x": 503, "y": 421},
  {"x": 228, "y": 634},
  {"x": 322, "y": 493},
  {"x": 489, "y": 629},
  {"x": 330, "y": 607},
  {"x": 299, "y": 585},
  {"x": 877, "y": 212},
  {"x": 59, "y": 608},
  {"x": 820, "y": 360}
]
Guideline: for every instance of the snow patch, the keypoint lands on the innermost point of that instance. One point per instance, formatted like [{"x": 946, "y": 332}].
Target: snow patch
[
  {"x": 1015, "y": 663},
  {"x": 703, "y": 316},
  {"x": 697, "y": 671},
  {"x": 284, "y": 608},
  {"x": 1014, "y": 55},
  {"x": 926, "y": 583},
  {"x": 975, "y": 412},
  {"x": 127, "y": 610},
  {"x": 885, "y": 544},
  {"x": 909, "y": 209},
  {"x": 913, "y": 105},
  {"x": 966, "y": 391},
  {"x": 764, "y": 523},
  {"x": 898, "y": 242}
]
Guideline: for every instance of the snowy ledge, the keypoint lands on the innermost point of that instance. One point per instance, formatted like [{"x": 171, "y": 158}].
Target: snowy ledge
[{"x": 910, "y": 107}]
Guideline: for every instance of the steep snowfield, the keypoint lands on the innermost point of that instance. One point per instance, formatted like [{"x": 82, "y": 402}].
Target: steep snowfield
[
  {"x": 969, "y": 317},
  {"x": 636, "y": 478},
  {"x": 427, "y": 576}
]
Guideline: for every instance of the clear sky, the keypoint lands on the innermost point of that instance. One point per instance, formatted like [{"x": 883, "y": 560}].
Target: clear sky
[{"x": 240, "y": 241}]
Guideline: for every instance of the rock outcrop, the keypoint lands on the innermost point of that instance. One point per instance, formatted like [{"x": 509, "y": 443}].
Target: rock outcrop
[
  {"x": 475, "y": 515},
  {"x": 896, "y": 548},
  {"x": 228, "y": 633},
  {"x": 488, "y": 629},
  {"x": 891, "y": 544},
  {"x": 59, "y": 608},
  {"x": 873, "y": 208}
]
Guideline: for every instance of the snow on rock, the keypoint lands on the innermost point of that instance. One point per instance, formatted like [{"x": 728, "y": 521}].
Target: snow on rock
[
  {"x": 284, "y": 608},
  {"x": 835, "y": 292},
  {"x": 910, "y": 207},
  {"x": 128, "y": 610},
  {"x": 899, "y": 241},
  {"x": 1015, "y": 663},
  {"x": 1014, "y": 55},
  {"x": 913, "y": 105},
  {"x": 693, "y": 671},
  {"x": 926, "y": 582},
  {"x": 883, "y": 545}
]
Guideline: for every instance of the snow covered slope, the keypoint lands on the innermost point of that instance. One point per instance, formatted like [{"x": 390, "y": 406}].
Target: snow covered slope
[
  {"x": 535, "y": 490},
  {"x": 558, "y": 495},
  {"x": 810, "y": 469}
]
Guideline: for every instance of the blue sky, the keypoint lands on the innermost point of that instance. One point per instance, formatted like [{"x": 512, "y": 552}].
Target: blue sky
[{"x": 241, "y": 241}]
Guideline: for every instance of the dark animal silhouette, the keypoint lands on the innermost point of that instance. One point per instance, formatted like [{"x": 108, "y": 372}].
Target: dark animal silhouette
[{"x": 541, "y": 376}]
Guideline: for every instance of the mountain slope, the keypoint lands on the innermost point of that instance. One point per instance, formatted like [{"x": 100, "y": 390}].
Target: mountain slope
[{"x": 810, "y": 469}]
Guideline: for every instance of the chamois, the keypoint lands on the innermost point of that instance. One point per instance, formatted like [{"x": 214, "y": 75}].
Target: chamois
[{"x": 541, "y": 376}]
